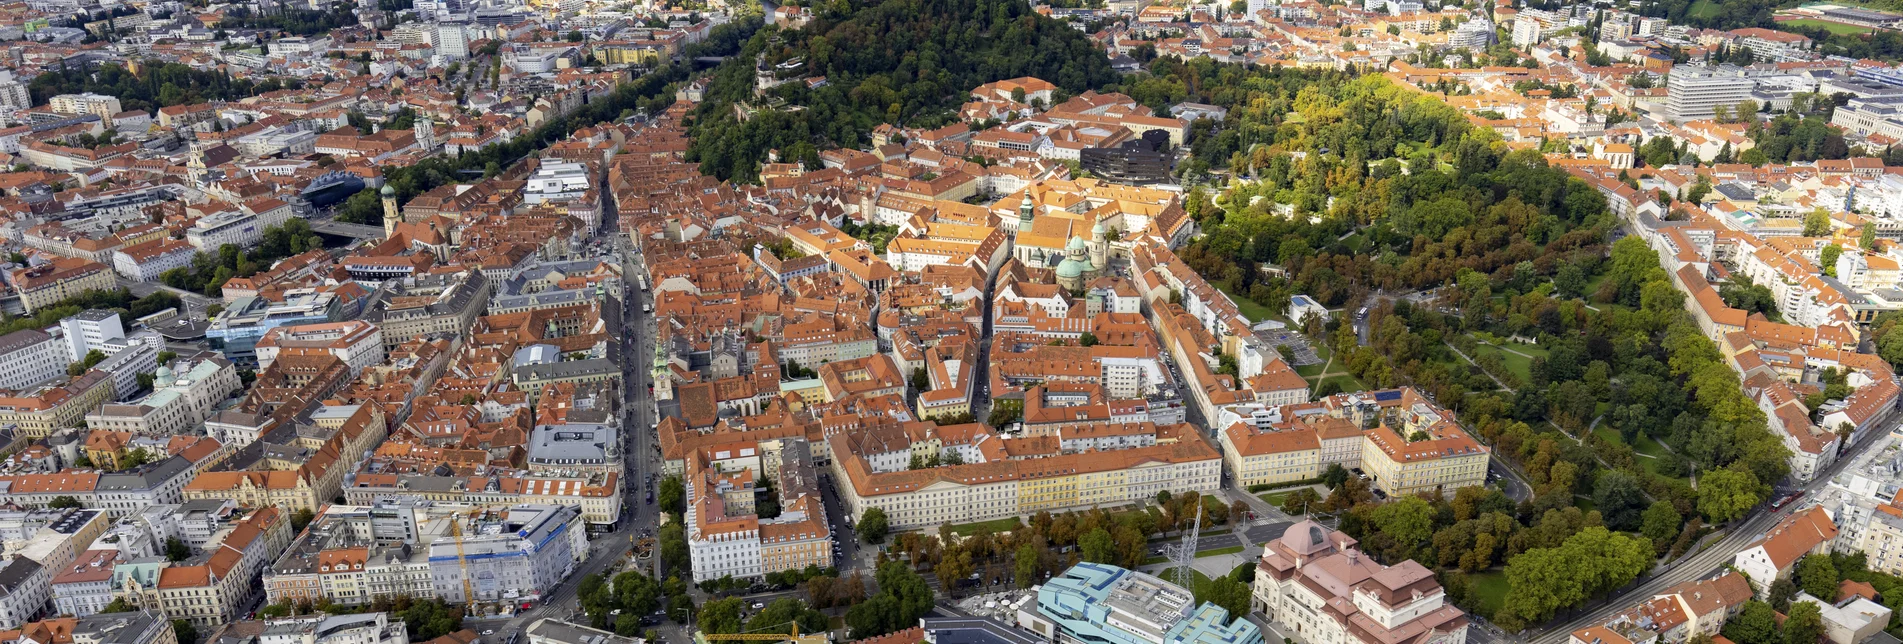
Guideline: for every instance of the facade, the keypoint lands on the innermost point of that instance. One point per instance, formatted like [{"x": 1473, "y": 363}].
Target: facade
[
  {"x": 518, "y": 558},
  {"x": 1695, "y": 93},
  {"x": 1314, "y": 582},
  {"x": 145, "y": 262},
  {"x": 29, "y": 357},
  {"x": 1774, "y": 556},
  {"x": 62, "y": 278},
  {"x": 359, "y": 344},
  {"x": 1110, "y": 605},
  {"x": 237, "y": 330}
]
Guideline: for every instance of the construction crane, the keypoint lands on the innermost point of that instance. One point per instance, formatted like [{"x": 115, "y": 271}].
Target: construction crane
[
  {"x": 794, "y": 637},
  {"x": 462, "y": 562}
]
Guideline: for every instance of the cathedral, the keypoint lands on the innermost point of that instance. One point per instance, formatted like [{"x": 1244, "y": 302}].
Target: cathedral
[{"x": 1081, "y": 261}]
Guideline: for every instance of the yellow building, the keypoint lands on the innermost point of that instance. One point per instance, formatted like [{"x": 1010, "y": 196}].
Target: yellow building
[
  {"x": 796, "y": 545},
  {"x": 1255, "y": 457},
  {"x": 62, "y": 278},
  {"x": 39, "y": 411},
  {"x": 1419, "y": 448}
]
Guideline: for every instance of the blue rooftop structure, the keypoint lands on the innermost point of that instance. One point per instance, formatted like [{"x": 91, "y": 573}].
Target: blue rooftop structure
[{"x": 1109, "y": 605}]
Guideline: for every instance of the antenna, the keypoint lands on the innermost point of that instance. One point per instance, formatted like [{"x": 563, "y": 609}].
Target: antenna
[{"x": 1186, "y": 551}]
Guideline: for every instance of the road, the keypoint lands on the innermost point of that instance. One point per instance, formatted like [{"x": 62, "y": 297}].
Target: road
[
  {"x": 195, "y": 304},
  {"x": 1704, "y": 564},
  {"x": 640, "y": 454}
]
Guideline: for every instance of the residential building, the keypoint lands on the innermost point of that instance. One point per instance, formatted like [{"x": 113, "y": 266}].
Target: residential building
[
  {"x": 516, "y": 558},
  {"x": 1773, "y": 556},
  {"x": 29, "y": 357},
  {"x": 60, "y": 279}
]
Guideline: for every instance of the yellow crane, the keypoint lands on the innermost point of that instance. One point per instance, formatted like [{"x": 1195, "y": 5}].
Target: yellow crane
[
  {"x": 462, "y": 561},
  {"x": 794, "y": 637}
]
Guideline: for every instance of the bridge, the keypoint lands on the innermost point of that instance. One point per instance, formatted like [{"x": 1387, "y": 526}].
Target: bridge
[{"x": 341, "y": 229}]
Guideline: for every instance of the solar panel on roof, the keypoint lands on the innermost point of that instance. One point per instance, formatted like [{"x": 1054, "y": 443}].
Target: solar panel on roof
[{"x": 1387, "y": 395}]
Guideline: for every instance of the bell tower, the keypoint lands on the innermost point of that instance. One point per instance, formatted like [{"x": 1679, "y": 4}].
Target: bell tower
[{"x": 389, "y": 211}]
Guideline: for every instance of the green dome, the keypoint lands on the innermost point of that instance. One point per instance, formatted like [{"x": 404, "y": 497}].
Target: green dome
[
  {"x": 1077, "y": 243},
  {"x": 387, "y": 191},
  {"x": 1070, "y": 269},
  {"x": 1097, "y": 229}
]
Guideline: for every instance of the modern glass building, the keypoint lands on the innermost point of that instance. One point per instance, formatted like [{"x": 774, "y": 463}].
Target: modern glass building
[{"x": 1100, "y": 604}]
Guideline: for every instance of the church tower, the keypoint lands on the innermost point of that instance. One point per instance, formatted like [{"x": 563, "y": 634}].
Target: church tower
[
  {"x": 1099, "y": 247},
  {"x": 389, "y": 211},
  {"x": 1026, "y": 211},
  {"x": 425, "y": 133}
]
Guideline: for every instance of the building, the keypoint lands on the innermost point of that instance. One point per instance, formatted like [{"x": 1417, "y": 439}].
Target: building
[
  {"x": 60, "y": 279},
  {"x": 359, "y": 344},
  {"x": 1314, "y": 582},
  {"x": 25, "y": 588},
  {"x": 360, "y": 628},
  {"x": 516, "y": 558},
  {"x": 1774, "y": 555},
  {"x": 183, "y": 397},
  {"x": 237, "y": 330},
  {"x": 1137, "y": 162},
  {"x": 429, "y": 305},
  {"x": 37, "y": 411},
  {"x": 549, "y": 630},
  {"x": 146, "y": 262},
  {"x": 1110, "y": 605},
  {"x": 556, "y": 182},
  {"x": 1693, "y": 93},
  {"x": 86, "y": 103},
  {"x": 29, "y": 357}
]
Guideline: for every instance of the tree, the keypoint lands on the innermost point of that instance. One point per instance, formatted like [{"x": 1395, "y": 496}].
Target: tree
[
  {"x": 1827, "y": 258},
  {"x": 1096, "y": 546},
  {"x": 1226, "y": 592},
  {"x": 1335, "y": 475},
  {"x": 176, "y": 550},
  {"x": 1817, "y": 223},
  {"x": 300, "y": 518},
  {"x": 432, "y": 619},
  {"x": 1619, "y": 499},
  {"x": 673, "y": 495},
  {"x": 1816, "y": 575},
  {"x": 118, "y": 605},
  {"x": 1756, "y": 623},
  {"x": 674, "y": 553},
  {"x": 184, "y": 631},
  {"x": 903, "y": 597},
  {"x": 1088, "y": 339},
  {"x": 721, "y": 616},
  {"x": 63, "y": 502},
  {"x": 783, "y": 612},
  {"x": 1804, "y": 624},
  {"x": 1025, "y": 566},
  {"x": 872, "y": 526},
  {"x": 1868, "y": 240},
  {"x": 1408, "y": 520},
  {"x": 1781, "y": 593},
  {"x": 1727, "y": 494},
  {"x": 1660, "y": 522}
]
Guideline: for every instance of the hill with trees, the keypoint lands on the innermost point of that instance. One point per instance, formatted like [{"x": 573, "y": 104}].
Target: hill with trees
[{"x": 906, "y": 62}]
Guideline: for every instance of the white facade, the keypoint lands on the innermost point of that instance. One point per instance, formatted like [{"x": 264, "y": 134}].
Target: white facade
[{"x": 30, "y": 357}]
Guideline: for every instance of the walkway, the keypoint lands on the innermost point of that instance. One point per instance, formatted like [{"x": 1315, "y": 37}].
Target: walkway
[{"x": 1496, "y": 379}]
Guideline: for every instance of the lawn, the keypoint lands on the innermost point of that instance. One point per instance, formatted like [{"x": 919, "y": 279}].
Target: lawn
[
  {"x": 1347, "y": 382},
  {"x": 1218, "y": 551},
  {"x": 1310, "y": 371},
  {"x": 1834, "y": 27},
  {"x": 1275, "y": 498},
  {"x": 1647, "y": 445},
  {"x": 1488, "y": 590},
  {"x": 1703, "y": 9},
  {"x": 1249, "y": 308},
  {"x": 996, "y": 525},
  {"x": 1355, "y": 242}
]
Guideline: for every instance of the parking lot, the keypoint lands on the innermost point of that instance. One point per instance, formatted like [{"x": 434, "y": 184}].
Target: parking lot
[{"x": 1293, "y": 346}]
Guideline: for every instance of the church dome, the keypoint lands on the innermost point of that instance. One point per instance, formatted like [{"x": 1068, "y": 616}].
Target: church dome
[
  {"x": 1096, "y": 230},
  {"x": 1070, "y": 269},
  {"x": 1077, "y": 243},
  {"x": 388, "y": 191}
]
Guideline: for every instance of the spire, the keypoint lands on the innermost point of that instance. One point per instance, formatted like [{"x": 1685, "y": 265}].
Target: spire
[{"x": 1026, "y": 210}]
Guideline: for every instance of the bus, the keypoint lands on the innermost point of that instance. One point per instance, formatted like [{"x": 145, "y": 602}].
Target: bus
[{"x": 643, "y": 279}]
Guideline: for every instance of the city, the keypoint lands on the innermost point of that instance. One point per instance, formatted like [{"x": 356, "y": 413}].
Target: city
[{"x": 967, "y": 322}]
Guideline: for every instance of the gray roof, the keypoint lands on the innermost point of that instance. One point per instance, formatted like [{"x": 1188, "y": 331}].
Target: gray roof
[
  {"x": 570, "y": 444},
  {"x": 568, "y": 633},
  {"x": 975, "y": 630},
  {"x": 148, "y": 477},
  {"x": 21, "y": 339},
  {"x": 16, "y": 573}
]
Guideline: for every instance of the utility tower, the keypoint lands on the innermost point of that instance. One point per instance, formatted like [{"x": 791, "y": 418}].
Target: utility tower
[{"x": 1186, "y": 551}]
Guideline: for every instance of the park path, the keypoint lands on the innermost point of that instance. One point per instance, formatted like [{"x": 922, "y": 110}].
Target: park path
[{"x": 1496, "y": 379}]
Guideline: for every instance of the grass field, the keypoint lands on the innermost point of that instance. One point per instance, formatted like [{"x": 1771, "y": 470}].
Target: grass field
[
  {"x": 1250, "y": 309},
  {"x": 1834, "y": 27},
  {"x": 1275, "y": 498},
  {"x": 1489, "y": 590},
  {"x": 997, "y": 525},
  {"x": 1212, "y": 552},
  {"x": 1702, "y": 9},
  {"x": 1348, "y": 383}
]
